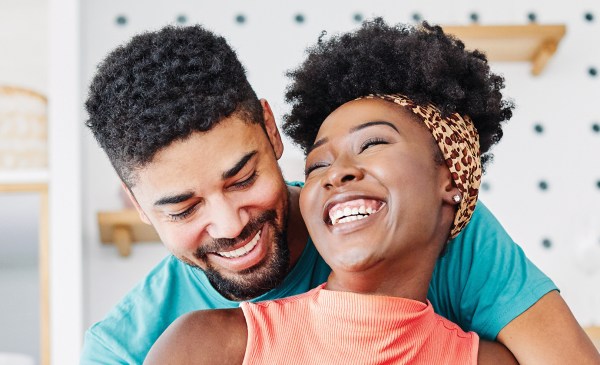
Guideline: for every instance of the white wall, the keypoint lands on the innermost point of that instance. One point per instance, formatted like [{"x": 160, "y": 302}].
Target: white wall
[
  {"x": 563, "y": 100},
  {"x": 23, "y": 63}
]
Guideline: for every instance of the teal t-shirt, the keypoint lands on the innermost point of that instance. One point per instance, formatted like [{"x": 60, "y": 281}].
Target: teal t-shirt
[{"x": 481, "y": 283}]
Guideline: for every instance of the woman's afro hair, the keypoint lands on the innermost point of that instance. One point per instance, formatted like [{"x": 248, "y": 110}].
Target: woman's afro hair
[{"x": 420, "y": 62}]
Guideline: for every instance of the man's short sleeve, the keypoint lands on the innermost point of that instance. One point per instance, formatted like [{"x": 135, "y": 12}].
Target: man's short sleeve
[
  {"x": 484, "y": 280},
  {"x": 95, "y": 353}
]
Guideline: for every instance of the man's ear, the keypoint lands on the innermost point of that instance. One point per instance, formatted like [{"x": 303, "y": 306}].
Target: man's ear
[
  {"x": 143, "y": 215},
  {"x": 271, "y": 128}
]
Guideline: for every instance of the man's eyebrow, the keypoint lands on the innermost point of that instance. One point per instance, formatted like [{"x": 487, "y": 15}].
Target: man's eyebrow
[
  {"x": 238, "y": 166},
  {"x": 173, "y": 199},
  {"x": 322, "y": 141},
  {"x": 370, "y": 124}
]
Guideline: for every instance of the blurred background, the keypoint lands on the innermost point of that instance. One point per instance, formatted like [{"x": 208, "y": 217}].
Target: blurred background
[{"x": 57, "y": 278}]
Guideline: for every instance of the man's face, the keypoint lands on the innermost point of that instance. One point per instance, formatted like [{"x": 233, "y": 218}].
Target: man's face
[
  {"x": 218, "y": 201},
  {"x": 374, "y": 198}
]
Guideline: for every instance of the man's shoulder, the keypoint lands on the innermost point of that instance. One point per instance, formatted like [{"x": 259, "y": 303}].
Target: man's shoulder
[
  {"x": 294, "y": 183},
  {"x": 126, "y": 330},
  {"x": 484, "y": 230}
]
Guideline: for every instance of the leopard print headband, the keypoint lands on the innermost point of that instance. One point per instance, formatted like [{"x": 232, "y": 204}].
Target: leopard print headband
[{"x": 459, "y": 142}]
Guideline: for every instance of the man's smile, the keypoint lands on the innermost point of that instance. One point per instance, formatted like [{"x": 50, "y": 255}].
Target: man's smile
[
  {"x": 244, "y": 249},
  {"x": 244, "y": 255}
]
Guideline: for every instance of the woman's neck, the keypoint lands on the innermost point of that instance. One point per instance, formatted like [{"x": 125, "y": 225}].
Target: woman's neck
[{"x": 407, "y": 280}]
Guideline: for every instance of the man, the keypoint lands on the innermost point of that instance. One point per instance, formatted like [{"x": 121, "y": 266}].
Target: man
[{"x": 197, "y": 152}]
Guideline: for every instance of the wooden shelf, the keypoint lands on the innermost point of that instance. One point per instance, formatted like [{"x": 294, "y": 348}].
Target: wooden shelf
[
  {"x": 23, "y": 177},
  {"x": 533, "y": 43},
  {"x": 123, "y": 228}
]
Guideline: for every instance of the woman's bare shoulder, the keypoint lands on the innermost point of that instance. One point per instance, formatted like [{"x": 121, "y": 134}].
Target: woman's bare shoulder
[{"x": 206, "y": 337}]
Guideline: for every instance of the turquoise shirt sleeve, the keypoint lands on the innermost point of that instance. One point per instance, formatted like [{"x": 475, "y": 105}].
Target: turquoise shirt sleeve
[
  {"x": 95, "y": 352},
  {"x": 484, "y": 280}
]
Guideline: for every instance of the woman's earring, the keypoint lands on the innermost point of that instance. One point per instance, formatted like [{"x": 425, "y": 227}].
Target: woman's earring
[{"x": 456, "y": 198}]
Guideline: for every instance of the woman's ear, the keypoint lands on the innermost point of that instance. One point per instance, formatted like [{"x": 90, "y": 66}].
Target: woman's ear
[
  {"x": 450, "y": 193},
  {"x": 453, "y": 196}
]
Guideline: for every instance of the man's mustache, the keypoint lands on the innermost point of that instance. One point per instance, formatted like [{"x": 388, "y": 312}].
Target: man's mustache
[{"x": 222, "y": 244}]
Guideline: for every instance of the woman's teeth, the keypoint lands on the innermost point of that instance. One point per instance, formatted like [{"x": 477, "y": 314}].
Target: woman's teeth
[
  {"x": 242, "y": 250},
  {"x": 350, "y": 214}
]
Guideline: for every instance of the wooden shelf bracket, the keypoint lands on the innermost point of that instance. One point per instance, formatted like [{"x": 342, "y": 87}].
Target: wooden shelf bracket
[
  {"x": 123, "y": 229},
  {"x": 534, "y": 43}
]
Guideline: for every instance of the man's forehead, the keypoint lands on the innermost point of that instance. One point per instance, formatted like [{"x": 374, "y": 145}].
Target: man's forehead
[
  {"x": 227, "y": 141},
  {"x": 203, "y": 158}
]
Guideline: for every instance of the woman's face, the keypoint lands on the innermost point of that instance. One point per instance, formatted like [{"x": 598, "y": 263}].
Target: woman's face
[{"x": 374, "y": 194}]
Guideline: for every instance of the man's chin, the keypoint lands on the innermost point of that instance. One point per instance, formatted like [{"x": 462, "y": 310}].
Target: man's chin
[{"x": 254, "y": 281}]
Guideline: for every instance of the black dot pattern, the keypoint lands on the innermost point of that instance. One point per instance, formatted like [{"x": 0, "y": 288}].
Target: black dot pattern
[
  {"x": 121, "y": 20},
  {"x": 546, "y": 243},
  {"x": 240, "y": 19},
  {"x": 589, "y": 17}
]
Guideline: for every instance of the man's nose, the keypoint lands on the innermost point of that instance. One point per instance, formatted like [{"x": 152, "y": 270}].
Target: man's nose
[
  {"x": 341, "y": 171},
  {"x": 227, "y": 219}
]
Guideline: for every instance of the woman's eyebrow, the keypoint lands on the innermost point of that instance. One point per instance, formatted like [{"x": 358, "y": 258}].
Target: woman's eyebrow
[
  {"x": 318, "y": 143},
  {"x": 370, "y": 124},
  {"x": 322, "y": 141}
]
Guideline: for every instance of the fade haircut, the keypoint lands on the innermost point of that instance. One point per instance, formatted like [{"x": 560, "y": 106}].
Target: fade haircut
[{"x": 161, "y": 87}]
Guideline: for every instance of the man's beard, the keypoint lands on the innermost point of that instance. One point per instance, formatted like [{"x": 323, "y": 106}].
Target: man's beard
[{"x": 261, "y": 278}]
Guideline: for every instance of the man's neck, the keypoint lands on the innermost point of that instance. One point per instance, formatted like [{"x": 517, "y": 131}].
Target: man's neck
[{"x": 297, "y": 235}]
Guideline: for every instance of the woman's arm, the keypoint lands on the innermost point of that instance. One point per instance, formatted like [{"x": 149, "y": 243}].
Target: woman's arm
[
  {"x": 547, "y": 333},
  {"x": 208, "y": 337},
  {"x": 494, "y": 353}
]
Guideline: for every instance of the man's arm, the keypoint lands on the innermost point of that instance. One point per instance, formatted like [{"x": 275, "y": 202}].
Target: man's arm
[
  {"x": 486, "y": 284},
  {"x": 547, "y": 333},
  {"x": 209, "y": 337}
]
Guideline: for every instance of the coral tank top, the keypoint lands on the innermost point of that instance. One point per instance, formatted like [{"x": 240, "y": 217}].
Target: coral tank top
[{"x": 342, "y": 328}]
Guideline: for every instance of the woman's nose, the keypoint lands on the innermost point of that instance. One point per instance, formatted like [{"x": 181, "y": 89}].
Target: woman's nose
[{"x": 342, "y": 171}]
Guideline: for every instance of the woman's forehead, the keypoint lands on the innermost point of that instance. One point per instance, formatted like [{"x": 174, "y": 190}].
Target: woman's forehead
[{"x": 360, "y": 111}]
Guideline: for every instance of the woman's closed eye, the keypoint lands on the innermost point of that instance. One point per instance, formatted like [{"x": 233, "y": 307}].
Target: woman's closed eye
[
  {"x": 372, "y": 142},
  {"x": 312, "y": 167}
]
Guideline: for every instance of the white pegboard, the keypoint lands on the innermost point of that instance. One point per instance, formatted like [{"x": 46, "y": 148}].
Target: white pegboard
[{"x": 559, "y": 227}]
